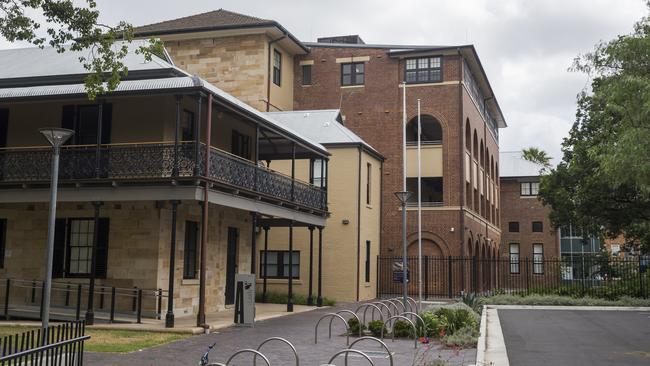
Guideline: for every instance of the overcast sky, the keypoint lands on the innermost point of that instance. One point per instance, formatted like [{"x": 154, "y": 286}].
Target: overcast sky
[{"x": 526, "y": 46}]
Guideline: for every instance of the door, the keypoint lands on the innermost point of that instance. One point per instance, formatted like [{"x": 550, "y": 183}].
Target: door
[{"x": 231, "y": 264}]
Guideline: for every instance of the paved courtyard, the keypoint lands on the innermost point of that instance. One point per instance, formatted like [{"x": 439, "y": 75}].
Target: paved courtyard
[
  {"x": 576, "y": 337},
  {"x": 298, "y": 329}
]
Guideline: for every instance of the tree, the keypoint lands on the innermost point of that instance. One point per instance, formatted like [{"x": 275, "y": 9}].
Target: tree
[
  {"x": 603, "y": 181},
  {"x": 536, "y": 155},
  {"x": 68, "y": 27}
]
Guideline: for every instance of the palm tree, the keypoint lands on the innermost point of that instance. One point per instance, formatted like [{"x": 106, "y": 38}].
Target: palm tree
[{"x": 536, "y": 155}]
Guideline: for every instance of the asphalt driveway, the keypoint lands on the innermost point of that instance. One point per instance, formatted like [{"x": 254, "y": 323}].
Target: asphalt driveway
[{"x": 576, "y": 337}]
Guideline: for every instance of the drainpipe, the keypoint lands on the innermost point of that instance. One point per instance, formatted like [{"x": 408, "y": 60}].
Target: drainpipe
[
  {"x": 463, "y": 194},
  {"x": 268, "y": 72},
  {"x": 359, "y": 224}
]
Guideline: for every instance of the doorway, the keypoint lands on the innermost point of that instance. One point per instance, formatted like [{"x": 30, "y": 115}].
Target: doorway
[{"x": 231, "y": 264}]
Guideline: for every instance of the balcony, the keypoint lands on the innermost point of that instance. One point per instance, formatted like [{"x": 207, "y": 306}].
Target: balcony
[{"x": 157, "y": 162}]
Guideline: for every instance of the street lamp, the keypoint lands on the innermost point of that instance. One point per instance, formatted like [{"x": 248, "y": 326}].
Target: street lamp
[
  {"x": 403, "y": 196},
  {"x": 56, "y": 137}
]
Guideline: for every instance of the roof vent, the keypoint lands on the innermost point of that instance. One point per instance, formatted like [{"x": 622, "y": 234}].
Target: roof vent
[{"x": 350, "y": 39}]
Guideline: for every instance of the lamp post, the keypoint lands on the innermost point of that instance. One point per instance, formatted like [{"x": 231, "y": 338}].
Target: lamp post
[
  {"x": 403, "y": 196},
  {"x": 56, "y": 137}
]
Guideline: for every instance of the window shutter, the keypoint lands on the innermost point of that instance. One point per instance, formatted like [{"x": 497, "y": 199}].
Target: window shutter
[
  {"x": 59, "y": 248},
  {"x": 102, "y": 248},
  {"x": 107, "y": 119}
]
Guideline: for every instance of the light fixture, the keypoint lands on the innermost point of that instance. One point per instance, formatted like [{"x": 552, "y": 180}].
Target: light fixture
[
  {"x": 403, "y": 196},
  {"x": 56, "y": 136}
]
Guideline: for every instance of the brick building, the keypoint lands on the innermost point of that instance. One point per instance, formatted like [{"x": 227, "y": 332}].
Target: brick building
[{"x": 460, "y": 122}]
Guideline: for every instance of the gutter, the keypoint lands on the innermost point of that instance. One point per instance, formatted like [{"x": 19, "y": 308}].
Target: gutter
[{"x": 268, "y": 71}]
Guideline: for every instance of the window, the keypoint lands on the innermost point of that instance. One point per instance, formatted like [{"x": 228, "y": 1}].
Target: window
[
  {"x": 431, "y": 130},
  {"x": 318, "y": 173},
  {"x": 306, "y": 74},
  {"x": 538, "y": 227},
  {"x": 83, "y": 120},
  {"x": 187, "y": 126},
  {"x": 277, "y": 67},
  {"x": 431, "y": 190},
  {"x": 73, "y": 243},
  {"x": 513, "y": 226},
  {"x": 538, "y": 258},
  {"x": 352, "y": 73},
  {"x": 367, "y": 260},
  {"x": 423, "y": 70},
  {"x": 529, "y": 188},
  {"x": 190, "y": 253},
  {"x": 241, "y": 145},
  {"x": 514, "y": 258},
  {"x": 80, "y": 243},
  {"x": 3, "y": 241},
  {"x": 278, "y": 264},
  {"x": 368, "y": 183}
]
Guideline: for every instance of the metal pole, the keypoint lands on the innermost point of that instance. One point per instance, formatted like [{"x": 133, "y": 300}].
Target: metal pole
[
  {"x": 290, "y": 277},
  {"x": 310, "y": 297},
  {"x": 404, "y": 266},
  {"x": 50, "y": 240},
  {"x": 420, "y": 211},
  {"x": 169, "y": 317},
  {"x": 319, "y": 299},
  {"x": 90, "y": 311},
  {"x": 266, "y": 257}
]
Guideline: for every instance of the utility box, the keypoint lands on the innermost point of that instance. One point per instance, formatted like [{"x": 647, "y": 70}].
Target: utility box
[{"x": 244, "y": 299}]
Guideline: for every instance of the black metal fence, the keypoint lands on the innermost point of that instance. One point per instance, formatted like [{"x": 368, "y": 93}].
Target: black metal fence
[
  {"x": 585, "y": 275},
  {"x": 53, "y": 346},
  {"x": 69, "y": 301}
]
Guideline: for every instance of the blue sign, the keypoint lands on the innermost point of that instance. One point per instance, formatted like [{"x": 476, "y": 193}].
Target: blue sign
[{"x": 398, "y": 276}]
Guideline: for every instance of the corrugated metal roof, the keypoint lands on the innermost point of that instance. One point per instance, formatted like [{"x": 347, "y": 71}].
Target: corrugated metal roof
[
  {"x": 41, "y": 62},
  {"x": 512, "y": 164},
  {"x": 322, "y": 126}
]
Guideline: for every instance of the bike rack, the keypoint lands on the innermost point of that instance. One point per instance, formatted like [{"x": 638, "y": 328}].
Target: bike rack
[
  {"x": 415, "y": 330},
  {"x": 390, "y": 355},
  {"x": 388, "y": 310},
  {"x": 415, "y": 304},
  {"x": 332, "y": 315},
  {"x": 293, "y": 349},
  {"x": 348, "y": 312},
  {"x": 346, "y": 351},
  {"x": 398, "y": 301},
  {"x": 424, "y": 325},
  {"x": 372, "y": 314},
  {"x": 249, "y": 350},
  {"x": 391, "y": 305}
]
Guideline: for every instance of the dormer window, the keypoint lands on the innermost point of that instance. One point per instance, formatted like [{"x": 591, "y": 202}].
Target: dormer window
[{"x": 423, "y": 70}]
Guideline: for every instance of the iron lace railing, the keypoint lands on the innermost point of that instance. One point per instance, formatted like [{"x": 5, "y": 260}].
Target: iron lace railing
[{"x": 150, "y": 161}]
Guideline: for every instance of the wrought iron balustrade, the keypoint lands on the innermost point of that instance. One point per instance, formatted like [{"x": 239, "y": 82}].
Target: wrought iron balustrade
[{"x": 154, "y": 161}]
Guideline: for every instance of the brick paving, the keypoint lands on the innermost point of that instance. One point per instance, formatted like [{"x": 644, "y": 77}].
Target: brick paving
[{"x": 297, "y": 328}]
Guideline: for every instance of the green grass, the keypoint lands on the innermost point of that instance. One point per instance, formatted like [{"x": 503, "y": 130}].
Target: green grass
[
  {"x": 281, "y": 298},
  {"x": 534, "y": 299},
  {"x": 113, "y": 341}
]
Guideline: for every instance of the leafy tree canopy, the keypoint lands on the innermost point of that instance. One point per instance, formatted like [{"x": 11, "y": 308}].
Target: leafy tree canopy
[
  {"x": 603, "y": 181},
  {"x": 536, "y": 155},
  {"x": 67, "y": 27}
]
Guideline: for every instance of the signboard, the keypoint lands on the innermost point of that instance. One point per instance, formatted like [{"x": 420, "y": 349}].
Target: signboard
[
  {"x": 398, "y": 273},
  {"x": 244, "y": 299}
]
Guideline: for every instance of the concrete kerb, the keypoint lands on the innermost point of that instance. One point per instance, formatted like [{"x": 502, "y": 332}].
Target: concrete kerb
[{"x": 482, "y": 339}]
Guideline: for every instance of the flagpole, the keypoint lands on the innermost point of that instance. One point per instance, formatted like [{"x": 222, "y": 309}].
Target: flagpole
[
  {"x": 404, "y": 252},
  {"x": 419, "y": 209}
]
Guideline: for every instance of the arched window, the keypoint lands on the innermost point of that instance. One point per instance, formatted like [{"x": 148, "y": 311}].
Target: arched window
[
  {"x": 431, "y": 130},
  {"x": 475, "y": 146},
  {"x": 487, "y": 161},
  {"x": 496, "y": 172},
  {"x": 468, "y": 136},
  {"x": 494, "y": 177},
  {"x": 482, "y": 152}
]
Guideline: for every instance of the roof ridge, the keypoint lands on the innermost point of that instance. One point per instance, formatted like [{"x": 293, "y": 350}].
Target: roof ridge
[{"x": 199, "y": 15}]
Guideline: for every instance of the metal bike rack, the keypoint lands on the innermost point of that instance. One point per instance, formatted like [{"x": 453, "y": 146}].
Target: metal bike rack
[
  {"x": 278, "y": 339},
  {"x": 249, "y": 350},
  {"x": 389, "y": 312},
  {"x": 399, "y": 301},
  {"x": 390, "y": 355},
  {"x": 392, "y": 305},
  {"x": 415, "y": 330},
  {"x": 332, "y": 315},
  {"x": 346, "y": 351},
  {"x": 372, "y": 313},
  {"x": 415, "y": 304},
  {"x": 348, "y": 312},
  {"x": 424, "y": 325}
]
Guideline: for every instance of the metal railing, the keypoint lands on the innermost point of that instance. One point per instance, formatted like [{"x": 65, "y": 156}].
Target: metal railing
[
  {"x": 22, "y": 299},
  {"x": 56, "y": 345},
  {"x": 585, "y": 275},
  {"x": 155, "y": 161}
]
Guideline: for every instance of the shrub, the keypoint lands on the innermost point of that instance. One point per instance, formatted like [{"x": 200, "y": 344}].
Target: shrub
[
  {"x": 470, "y": 299},
  {"x": 451, "y": 320},
  {"x": 356, "y": 328},
  {"x": 465, "y": 337},
  {"x": 402, "y": 329},
  {"x": 375, "y": 328},
  {"x": 535, "y": 299},
  {"x": 433, "y": 324}
]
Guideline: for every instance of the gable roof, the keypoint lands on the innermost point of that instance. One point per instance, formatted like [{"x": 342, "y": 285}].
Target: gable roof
[
  {"x": 39, "y": 66},
  {"x": 216, "y": 20},
  {"x": 324, "y": 126},
  {"x": 513, "y": 165}
]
